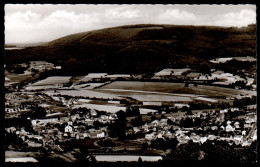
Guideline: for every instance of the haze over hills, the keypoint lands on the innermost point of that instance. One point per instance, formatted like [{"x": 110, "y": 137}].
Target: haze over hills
[{"x": 140, "y": 48}]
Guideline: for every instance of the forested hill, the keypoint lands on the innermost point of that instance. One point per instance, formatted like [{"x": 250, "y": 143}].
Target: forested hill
[{"x": 141, "y": 48}]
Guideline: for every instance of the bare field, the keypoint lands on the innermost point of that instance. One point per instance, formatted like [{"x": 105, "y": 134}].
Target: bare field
[
  {"x": 178, "y": 88},
  {"x": 83, "y": 93},
  {"x": 147, "y": 95}
]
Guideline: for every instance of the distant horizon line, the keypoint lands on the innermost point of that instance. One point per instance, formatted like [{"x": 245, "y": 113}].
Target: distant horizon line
[{"x": 42, "y": 42}]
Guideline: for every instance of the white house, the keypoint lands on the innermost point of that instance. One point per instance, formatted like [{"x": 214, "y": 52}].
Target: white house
[
  {"x": 149, "y": 136},
  {"x": 168, "y": 134},
  {"x": 93, "y": 112},
  {"x": 229, "y": 128},
  {"x": 145, "y": 127},
  {"x": 11, "y": 129},
  {"x": 228, "y": 122},
  {"x": 155, "y": 123},
  {"x": 203, "y": 139},
  {"x": 57, "y": 67},
  {"x": 136, "y": 129},
  {"x": 159, "y": 135},
  {"x": 243, "y": 132},
  {"x": 238, "y": 138},
  {"x": 101, "y": 135},
  {"x": 183, "y": 139},
  {"x": 246, "y": 143},
  {"x": 236, "y": 124},
  {"x": 34, "y": 122},
  {"x": 68, "y": 128},
  {"x": 214, "y": 127},
  {"x": 85, "y": 135},
  {"x": 195, "y": 138},
  {"x": 211, "y": 137}
]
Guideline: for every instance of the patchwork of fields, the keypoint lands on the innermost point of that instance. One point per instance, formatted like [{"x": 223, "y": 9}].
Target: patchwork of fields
[{"x": 152, "y": 92}]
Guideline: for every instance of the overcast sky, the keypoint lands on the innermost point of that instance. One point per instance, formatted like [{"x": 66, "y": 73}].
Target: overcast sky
[{"x": 42, "y": 23}]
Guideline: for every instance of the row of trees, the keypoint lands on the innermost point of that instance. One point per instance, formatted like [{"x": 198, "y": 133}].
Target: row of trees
[{"x": 244, "y": 101}]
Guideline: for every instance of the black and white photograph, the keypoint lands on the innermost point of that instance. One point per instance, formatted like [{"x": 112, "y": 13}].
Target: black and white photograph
[{"x": 130, "y": 84}]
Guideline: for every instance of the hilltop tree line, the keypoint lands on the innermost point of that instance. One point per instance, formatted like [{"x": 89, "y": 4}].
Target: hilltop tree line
[{"x": 148, "y": 51}]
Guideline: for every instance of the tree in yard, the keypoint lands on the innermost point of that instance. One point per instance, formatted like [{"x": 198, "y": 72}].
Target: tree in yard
[
  {"x": 93, "y": 159},
  {"x": 189, "y": 112},
  {"x": 119, "y": 127},
  {"x": 197, "y": 122},
  {"x": 153, "y": 118},
  {"x": 185, "y": 152},
  {"x": 203, "y": 67},
  {"x": 186, "y": 84},
  {"x": 163, "y": 116},
  {"x": 140, "y": 160},
  {"x": 145, "y": 146},
  {"x": 185, "y": 108},
  {"x": 187, "y": 122},
  {"x": 97, "y": 124},
  {"x": 170, "y": 122},
  {"x": 138, "y": 121}
]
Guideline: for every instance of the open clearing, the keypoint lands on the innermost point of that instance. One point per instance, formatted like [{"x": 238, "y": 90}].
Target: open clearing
[
  {"x": 223, "y": 60},
  {"x": 171, "y": 71}
]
